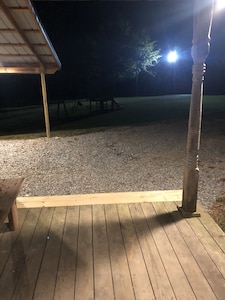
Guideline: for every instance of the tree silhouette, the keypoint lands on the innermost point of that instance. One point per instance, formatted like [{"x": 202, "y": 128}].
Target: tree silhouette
[{"x": 117, "y": 52}]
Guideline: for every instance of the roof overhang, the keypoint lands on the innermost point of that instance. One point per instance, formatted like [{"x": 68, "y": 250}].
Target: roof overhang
[{"x": 24, "y": 44}]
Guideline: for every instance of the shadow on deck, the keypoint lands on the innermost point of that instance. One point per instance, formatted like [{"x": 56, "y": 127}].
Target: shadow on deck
[{"x": 111, "y": 246}]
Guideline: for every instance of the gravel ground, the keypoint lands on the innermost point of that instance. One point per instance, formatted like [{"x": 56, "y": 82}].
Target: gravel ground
[{"x": 138, "y": 158}]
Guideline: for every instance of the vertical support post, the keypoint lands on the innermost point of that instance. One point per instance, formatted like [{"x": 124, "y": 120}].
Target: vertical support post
[
  {"x": 45, "y": 104},
  {"x": 13, "y": 217},
  {"x": 203, "y": 14}
]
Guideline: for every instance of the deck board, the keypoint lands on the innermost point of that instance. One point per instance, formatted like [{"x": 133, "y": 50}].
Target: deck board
[
  {"x": 30, "y": 271},
  {"x": 8, "y": 240},
  {"x": 120, "y": 269},
  {"x": 84, "y": 287},
  {"x": 17, "y": 255},
  {"x": 99, "y": 198},
  {"x": 125, "y": 251},
  {"x": 201, "y": 254},
  {"x": 65, "y": 282},
  {"x": 156, "y": 271},
  {"x": 177, "y": 277},
  {"x": 45, "y": 285},
  {"x": 139, "y": 275},
  {"x": 102, "y": 264},
  {"x": 190, "y": 266}
]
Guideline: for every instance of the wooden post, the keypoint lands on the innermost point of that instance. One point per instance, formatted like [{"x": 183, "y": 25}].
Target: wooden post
[
  {"x": 203, "y": 13},
  {"x": 13, "y": 217},
  {"x": 45, "y": 104}
]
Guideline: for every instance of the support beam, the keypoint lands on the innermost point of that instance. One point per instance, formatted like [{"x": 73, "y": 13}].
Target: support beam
[
  {"x": 203, "y": 14},
  {"x": 45, "y": 104}
]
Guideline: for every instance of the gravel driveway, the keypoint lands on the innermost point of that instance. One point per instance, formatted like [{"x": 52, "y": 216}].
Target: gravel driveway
[{"x": 140, "y": 158}]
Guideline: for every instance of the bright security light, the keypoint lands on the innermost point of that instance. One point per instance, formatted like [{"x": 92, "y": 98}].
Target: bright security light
[
  {"x": 172, "y": 56},
  {"x": 220, "y": 4}
]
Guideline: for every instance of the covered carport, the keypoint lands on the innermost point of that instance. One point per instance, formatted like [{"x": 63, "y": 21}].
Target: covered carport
[{"x": 25, "y": 47}]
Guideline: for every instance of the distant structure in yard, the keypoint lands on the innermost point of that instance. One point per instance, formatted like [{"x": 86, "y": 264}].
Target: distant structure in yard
[{"x": 24, "y": 45}]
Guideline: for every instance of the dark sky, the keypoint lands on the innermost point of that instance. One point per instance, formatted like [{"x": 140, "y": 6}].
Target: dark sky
[{"x": 167, "y": 22}]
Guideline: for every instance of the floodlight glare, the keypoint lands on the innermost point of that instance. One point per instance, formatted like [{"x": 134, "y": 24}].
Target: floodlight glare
[
  {"x": 172, "y": 56},
  {"x": 220, "y": 4}
]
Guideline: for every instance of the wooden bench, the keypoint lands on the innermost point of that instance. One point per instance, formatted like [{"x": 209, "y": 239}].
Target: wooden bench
[{"x": 9, "y": 189}]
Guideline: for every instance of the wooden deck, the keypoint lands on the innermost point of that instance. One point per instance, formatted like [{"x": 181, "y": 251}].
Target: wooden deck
[{"x": 121, "y": 250}]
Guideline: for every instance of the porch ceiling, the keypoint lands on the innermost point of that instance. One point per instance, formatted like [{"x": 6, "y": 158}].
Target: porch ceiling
[{"x": 24, "y": 44}]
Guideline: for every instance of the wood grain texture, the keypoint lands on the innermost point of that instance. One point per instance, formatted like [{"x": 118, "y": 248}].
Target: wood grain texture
[
  {"x": 84, "y": 286},
  {"x": 65, "y": 282},
  {"x": 102, "y": 263},
  {"x": 99, "y": 198},
  {"x": 119, "y": 251},
  {"x": 34, "y": 254},
  {"x": 45, "y": 285},
  {"x": 9, "y": 189}
]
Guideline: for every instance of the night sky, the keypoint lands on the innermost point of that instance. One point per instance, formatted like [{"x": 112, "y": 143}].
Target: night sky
[{"x": 169, "y": 23}]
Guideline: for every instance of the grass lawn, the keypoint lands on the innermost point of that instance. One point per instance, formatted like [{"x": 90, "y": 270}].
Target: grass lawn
[{"x": 28, "y": 121}]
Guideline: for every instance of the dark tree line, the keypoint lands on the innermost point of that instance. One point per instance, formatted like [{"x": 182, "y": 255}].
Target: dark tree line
[{"x": 114, "y": 54}]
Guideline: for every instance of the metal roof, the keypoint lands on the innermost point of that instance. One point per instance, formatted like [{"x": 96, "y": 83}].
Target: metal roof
[{"x": 24, "y": 44}]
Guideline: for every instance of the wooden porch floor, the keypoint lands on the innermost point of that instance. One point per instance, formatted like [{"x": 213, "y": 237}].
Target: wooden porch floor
[{"x": 121, "y": 250}]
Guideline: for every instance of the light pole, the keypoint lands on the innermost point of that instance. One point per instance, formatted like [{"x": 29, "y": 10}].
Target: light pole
[{"x": 172, "y": 58}]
